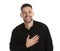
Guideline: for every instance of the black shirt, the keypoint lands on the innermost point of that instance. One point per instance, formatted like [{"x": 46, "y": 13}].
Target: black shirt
[{"x": 20, "y": 33}]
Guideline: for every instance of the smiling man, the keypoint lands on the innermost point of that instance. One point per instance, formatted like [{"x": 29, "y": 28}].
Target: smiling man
[{"x": 30, "y": 35}]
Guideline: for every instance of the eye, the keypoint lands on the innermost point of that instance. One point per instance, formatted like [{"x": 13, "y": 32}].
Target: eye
[
  {"x": 24, "y": 12},
  {"x": 29, "y": 11}
]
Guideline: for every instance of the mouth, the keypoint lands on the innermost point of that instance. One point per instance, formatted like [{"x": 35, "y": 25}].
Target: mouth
[{"x": 27, "y": 17}]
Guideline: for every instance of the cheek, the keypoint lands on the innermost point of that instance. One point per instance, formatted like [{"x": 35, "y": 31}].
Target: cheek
[
  {"x": 31, "y": 15},
  {"x": 24, "y": 15}
]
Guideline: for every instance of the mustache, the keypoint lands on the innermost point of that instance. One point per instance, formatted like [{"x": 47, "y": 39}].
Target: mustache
[{"x": 28, "y": 16}]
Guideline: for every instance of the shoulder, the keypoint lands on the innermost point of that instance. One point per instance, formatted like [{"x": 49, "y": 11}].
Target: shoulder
[
  {"x": 41, "y": 24},
  {"x": 17, "y": 28},
  {"x": 42, "y": 27}
]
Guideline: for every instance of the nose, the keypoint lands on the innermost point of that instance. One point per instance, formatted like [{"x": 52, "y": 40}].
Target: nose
[{"x": 27, "y": 14}]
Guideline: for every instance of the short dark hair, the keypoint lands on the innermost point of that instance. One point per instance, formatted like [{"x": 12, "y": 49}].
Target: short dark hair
[{"x": 26, "y": 5}]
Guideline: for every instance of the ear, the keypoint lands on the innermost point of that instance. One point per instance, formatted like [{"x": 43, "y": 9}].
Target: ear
[
  {"x": 32, "y": 13},
  {"x": 21, "y": 15}
]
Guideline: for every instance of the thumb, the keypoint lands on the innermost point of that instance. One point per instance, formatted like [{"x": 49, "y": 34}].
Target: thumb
[{"x": 28, "y": 37}]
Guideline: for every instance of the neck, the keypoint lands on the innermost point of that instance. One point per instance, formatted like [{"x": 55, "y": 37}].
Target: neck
[{"x": 28, "y": 25}]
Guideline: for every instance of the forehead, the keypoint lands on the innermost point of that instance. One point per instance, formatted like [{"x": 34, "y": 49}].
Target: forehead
[{"x": 27, "y": 9}]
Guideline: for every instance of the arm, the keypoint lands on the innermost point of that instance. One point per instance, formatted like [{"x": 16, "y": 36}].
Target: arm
[
  {"x": 49, "y": 45},
  {"x": 15, "y": 45}
]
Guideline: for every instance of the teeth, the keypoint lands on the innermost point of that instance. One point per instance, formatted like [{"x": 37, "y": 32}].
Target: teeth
[{"x": 27, "y": 17}]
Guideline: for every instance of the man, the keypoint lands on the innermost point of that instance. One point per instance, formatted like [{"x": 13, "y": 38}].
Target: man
[{"x": 30, "y": 35}]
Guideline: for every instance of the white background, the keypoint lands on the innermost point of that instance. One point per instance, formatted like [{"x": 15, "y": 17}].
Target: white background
[{"x": 46, "y": 11}]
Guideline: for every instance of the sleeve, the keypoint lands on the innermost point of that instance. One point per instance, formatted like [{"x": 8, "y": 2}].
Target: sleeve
[
  {"x": 49, "y": 44},
  {"x": 15, "y": 45}
]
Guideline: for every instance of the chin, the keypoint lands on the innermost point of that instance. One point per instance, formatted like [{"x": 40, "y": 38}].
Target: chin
[{"x": 27, "y": 21}]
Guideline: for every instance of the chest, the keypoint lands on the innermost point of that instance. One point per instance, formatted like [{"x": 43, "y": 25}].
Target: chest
[{"x": 32, "y": 33}]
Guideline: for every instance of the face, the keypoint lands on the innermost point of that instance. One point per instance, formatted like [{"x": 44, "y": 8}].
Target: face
[{"x": 27, "y": 14}]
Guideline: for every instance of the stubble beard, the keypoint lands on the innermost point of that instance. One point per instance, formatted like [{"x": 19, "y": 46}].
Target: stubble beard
[{"x": 28, "y": 21}]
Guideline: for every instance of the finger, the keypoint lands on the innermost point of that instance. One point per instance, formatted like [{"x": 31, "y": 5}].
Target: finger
[
  {"x": 36, "y": 42},
  {"x": 28, "y": 37},
  {"x": 36, "y": 36}
]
